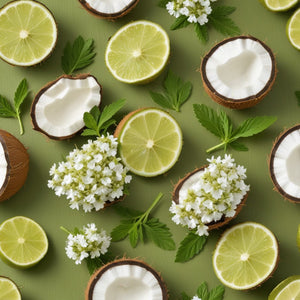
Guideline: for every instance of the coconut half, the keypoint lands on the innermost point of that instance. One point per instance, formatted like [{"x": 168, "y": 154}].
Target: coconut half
[
  {"x": 284, "y": 164},
  {"x": 109, "y": 9},
  {"x": 184, "y": 184},
  {"x": 238, "y": 72},
  {"x": 14, "y": 165},
  {"x": 57, "y": 109},
  {"x": 126, "y": 279}
]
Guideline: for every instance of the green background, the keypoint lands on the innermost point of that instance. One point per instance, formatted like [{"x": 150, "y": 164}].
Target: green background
[{"x": 57, "y": 277}]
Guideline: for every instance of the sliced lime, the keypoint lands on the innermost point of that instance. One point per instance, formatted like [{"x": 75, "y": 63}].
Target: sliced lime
[
  {"x": 293, "y": 29},
  {"x": 288, "y": 289},
  {"x": 280, "y": 5},
  {"x": 8, "y": 289}
]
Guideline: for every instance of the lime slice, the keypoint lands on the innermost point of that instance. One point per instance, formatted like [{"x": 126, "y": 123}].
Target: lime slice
[
  {"x": 293, "y": 29},
  {"x": 150, "y": 141},
  {"x": 245, "y": 256},
  {"x": 288, "y": 289},
  {"x": 137, "y": 52},
  {"x": 280, "y": 5},
  {"x": 28, "y": 32},
  {"x": 8, "y": 289},
  {"x": 298, "y": 237},
  {"x": 23, "y": 242}
]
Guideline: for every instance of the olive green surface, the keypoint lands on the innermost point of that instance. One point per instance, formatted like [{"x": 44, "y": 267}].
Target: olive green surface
[{"x": 57, "y": 277}]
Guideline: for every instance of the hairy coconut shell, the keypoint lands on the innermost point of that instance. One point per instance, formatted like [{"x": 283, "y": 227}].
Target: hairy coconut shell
[
  {"x": 112, "y": 16},
  {"x": 276, "y": 144},
  {"x": 237, "y": 103},
  {"x": 124, "y": 261},
  {"x": 17, "y": 160},
  {"x": 212, "y": 225},
  {"x": 43, "y": 90}
]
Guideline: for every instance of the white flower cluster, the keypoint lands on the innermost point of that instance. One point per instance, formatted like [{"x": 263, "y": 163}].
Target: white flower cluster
[
  {"x": 90, "y": 176},
  {"x": 196, "y": 10},
  {"x": 196, "y": 298},
  {"x": 216, "y": 193},
  {"x": 90, "y": 242}
]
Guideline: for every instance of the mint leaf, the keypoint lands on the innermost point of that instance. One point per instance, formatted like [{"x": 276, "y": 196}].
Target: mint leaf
[
  {"x": 217, "y": 293},
  {"x": 190, "y": 246},
  {"x": 94, "y": 264},
  {"x": 20, "y": 95},
  {"x": 222, "y": 11},
  {"x": 202, "y": 32},
  {"x": 77, "y": 56},
  {"x": 184, "y": 296},
  {"x": 133, "y": 236},
  {"x": 238, "y": 146},
  {"x": 202, "y": 291},
  {"x": 180, "y": 22},
  {"x": 6, "y": 110},
  {"x": 297, "y": 93},
  {"x": 163, "y": 3},
  {"x": 161, "y": 100},
  {"x": 89, "y": 121},
  {"x": 127, "y": 212},
  {"x": 120, "y": 232},
  {"x": 89, "y": 132}
]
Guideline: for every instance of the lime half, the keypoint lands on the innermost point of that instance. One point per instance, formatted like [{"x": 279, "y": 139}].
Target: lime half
[
  {"x": 28, "y": 32},
  {"x": 293, "y": 29},
  {"x": 150, "y": 141},
  {"x": 138, "y": 52},
  {"x": 23, "y": 242},
  {"x": 280, "y": 5},
  {"x": 8, "y": 289},
  {"x": 298, "y": 237},
  {"x": 288, "y": 289},
  {"x": 245, "y": 256}
]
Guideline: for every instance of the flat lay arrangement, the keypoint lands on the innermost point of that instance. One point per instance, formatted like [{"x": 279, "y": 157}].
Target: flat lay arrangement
[{"x": 149, "y": 150}]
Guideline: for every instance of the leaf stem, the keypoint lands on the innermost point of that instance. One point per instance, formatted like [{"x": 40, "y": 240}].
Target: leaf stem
[
  {"x": 217, "y": 147},
  {"x": 65, "y": 230},
  {"x": 20, "y": 124}
]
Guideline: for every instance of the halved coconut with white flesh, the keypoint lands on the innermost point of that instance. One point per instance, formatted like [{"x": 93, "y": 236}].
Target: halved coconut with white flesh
[
  {"x": 58, "y": 108},
  {"x": 184, "y": 184},
  {"x": 109, "y": 9},
  {"x": 14, "y": 165},
  {"x": 126, "y": 279},
  {"x": 238, "y": 72},
  {"x": 284, "y": 164}
]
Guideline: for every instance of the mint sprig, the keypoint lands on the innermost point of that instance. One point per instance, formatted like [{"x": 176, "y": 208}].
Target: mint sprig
[
  {"x": 190, "y": 246},
  {"x": 219, "y": 124},
  {"x": 139, "y": 227},
  {"x": 176, "y": 92},
  {"x": 6, "y": 109},
  {"x": 203, "y": 293},
  {"x": 97, "y": 122},
  {"x": 78, "y": 55}
]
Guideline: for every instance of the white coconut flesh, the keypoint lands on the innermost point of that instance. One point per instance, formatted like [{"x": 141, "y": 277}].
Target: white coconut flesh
[
  {"x": 286, "y": 164},
  {"x": 59, "y": 110},
  {"x": 127, "y": 282},
  {"x": 3, "y": 166},
  {"x": 109, "y": 6},
  {"x": 191, "y": 181},
  {"x": 239, "y": 69}
]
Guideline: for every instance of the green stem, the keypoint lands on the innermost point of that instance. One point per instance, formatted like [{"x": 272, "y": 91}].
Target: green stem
[
  {"x": 65, "y": 230},
  {"x": 20, "y": 124},
  {"x": 217, "y": 147}
]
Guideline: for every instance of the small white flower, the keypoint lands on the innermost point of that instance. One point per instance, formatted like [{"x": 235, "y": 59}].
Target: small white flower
[{"x": 196, "y": 298}]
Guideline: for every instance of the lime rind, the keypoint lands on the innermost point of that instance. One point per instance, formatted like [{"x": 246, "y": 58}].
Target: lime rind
[
  {"x": 8, "y": 289},
  {"x": 281, "y": 5},
  {"x": 278, "y": 293},
  {"x": 293, "y": 29},
  {"x": 17, "y": 255},
  {"x": 298, "y": 237},
  {"x": 240, "y": 273}
]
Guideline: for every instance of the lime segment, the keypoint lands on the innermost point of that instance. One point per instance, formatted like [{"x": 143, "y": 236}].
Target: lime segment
[
  {"x": 28, "y": 32},
  {"x": 8, "y": 290},
  {"x": 280, "y": 5},
  {"x": 288, "y": 289},
  {"x": 137, "y": 52},
  {"x": 245, "y": 256},
  {"x": 23, "y": 242},
  {"x": 150, "y": 142},
  {"x": 293, "y": 29}
]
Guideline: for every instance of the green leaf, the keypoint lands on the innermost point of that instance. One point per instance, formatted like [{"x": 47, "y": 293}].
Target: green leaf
[
  {"x": 160, "y": 234},
  {"x": 89, "y": 121},
  {"x": 163, "y": 3},
  {"x": 127, "y": 212},
  {"x": 133, "y": 236},
  {"x": 202, "y": 291},
  {"x": 89, "y": 132},
  {"x": 171, "y": 84},
  {"x": 222, "y": 11},
  {"x": 238, "y": 146},
  {"x": 254, "y": 126},
  {"x": 184, "y": 296},
  {"x": 94, "y": 264},
  {"x": 77, "y": 56},
  {"x": 20, "y": 95},
  {"x": 208, "y": 119},
  {"x": 217, "y": 293},
  {"x": 95, "y": 112},
  {"x": 184, "y": 93},
  {"x": 161, "y": 100},
  {"x": 190, "y": 246},
  {"x": 224, "y": 25},
  {"x": 107, "y": 124},
  {"x": 120, "y": 232},
  {"x": 180, "y": 22},
  {"x": 202, "y": 32},
  {"x": 297, "y": 93},
  {"x": 226, "y": 125},
  {"x": 6, "y": 110}
]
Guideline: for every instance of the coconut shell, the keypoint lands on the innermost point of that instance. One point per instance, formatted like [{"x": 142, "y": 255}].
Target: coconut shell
[
  {"x": 113, "y": 16},
  {"x": 244, "y": 102},
  {"x": 17, "y": 160},
  {"x": 124, "y": 261},
  {"x": 42, "y": 91},
  {"x": 212, "y": 225},
  {"x": 276, "y": 144}
]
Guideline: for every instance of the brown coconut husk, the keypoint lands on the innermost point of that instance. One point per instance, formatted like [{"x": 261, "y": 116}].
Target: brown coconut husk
[
  {"x": 240, "y": 103},
  {"x": 123, "y": 261},
  {"x": 43, "y": 90},
  {"x": 17, "y": 160}
]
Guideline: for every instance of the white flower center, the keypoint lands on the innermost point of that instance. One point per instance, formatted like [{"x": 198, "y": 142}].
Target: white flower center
[
  {"x": 244, "y": 257},
  {"x": 150, "y": 144},
  {"x": 24, "y": 34}
]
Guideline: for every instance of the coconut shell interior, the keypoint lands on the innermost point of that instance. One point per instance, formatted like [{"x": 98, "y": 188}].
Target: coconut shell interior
[
  {"x": 244, "y": 102},
  {"x": 212, "y": 225},
  {"x": 17, "y": 165}
]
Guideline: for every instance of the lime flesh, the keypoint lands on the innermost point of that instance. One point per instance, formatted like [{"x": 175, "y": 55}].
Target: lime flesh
[
  {"x": 293, "y": 29},
  {"x": 8, "y": 289},
  {"x": 288, "y": 289},
  {"x": 280, "y": 5}
]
